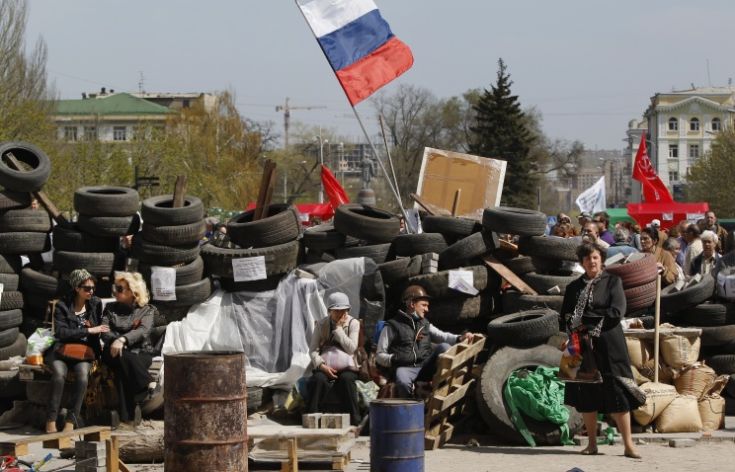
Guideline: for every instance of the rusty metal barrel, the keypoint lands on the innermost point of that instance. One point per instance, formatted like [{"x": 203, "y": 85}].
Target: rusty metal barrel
[{"x": 206, "y": 415}]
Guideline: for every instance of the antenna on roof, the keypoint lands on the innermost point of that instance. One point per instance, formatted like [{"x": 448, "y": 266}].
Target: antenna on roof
[
  {"x": 693, "y": 87},
  {"x": 141, "y": 82},
  {"x": 709, "y": 77}
]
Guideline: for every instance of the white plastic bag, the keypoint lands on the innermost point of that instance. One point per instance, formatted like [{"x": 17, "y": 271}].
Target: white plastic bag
[{"x": 39, "y": 341}]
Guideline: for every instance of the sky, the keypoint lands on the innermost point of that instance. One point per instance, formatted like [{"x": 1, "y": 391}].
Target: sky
[{"x": 588, "y": 66}]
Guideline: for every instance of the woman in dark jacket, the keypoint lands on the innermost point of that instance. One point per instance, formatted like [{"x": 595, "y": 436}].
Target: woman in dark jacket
[
  {"x": 128, "y": 350},
  {"x": 77, "y": 320},
  {"x": 594, "y": 304}
]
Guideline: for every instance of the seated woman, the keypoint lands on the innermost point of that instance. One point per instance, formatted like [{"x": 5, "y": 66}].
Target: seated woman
[
  {"x": 332, "y": 348},
  {"x": 77, "y": 319},
  {"x": 128, "y": 350}
]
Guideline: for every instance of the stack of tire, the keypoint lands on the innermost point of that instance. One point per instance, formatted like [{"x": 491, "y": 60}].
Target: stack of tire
[
  {"x": 639, "y": 282},
  {"x": 274, "y": 237},
  {"x": 106, "y": 213},
  {"x": 170, "y": 238}
]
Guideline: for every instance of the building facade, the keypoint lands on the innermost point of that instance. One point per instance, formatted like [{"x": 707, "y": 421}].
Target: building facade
[{"x": 682, "y": 126}]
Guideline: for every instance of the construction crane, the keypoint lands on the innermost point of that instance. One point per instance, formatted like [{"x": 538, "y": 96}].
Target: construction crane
[{"x": 286, "y": 109}]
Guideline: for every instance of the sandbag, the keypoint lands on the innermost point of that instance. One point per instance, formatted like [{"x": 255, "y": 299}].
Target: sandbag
[
  {"x": 680, "y": 350},
  {"x": 694, "y": 380},
  {"x": 639, "y": 351},
  {"x": 712, "y": 412},
  {"x": 658, "y": 397},
  {"x": 681, "y": 416},
  {"x": 638, "y": 377},
  {"x": 665, "y": 373}
]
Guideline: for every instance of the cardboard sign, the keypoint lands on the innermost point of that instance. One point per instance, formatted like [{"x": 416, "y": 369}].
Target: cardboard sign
[
  {"x": 462, "y": 281},
  {"x": 246, "y": 269},
  {"x": 444, "y": 172},
  {"x": 163, "y": 283}
]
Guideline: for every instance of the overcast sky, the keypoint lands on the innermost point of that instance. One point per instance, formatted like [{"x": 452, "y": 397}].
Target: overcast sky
[{"x": 588, "y": 66}]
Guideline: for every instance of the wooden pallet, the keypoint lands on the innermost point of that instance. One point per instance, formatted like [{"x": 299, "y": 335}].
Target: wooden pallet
[
  {"x": 61, "y": 440},
  {"x": 453, "y": 377}
]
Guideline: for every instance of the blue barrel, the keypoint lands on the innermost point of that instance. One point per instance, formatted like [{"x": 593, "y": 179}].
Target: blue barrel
[{"x": 396, "y": 436}]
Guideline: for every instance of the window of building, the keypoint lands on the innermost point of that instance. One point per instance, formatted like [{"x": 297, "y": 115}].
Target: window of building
[
  {"x": 716, "y": 124},
  {"x": 694, "y": 151},
  {"x": 119, "y": 133},
  {"x": 673, "y": 176},
  {"x": 90, "y": 133},
  {"x": 673, "y": 151},
  {"x": 70, "y": 133},
  {"x": 185, "y": 103},
  {"x": 694, "y": 124},
  {"x": 673, "y": 124}
]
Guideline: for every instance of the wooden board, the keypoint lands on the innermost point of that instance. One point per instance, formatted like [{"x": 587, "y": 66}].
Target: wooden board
[
  {"x": 338, "y": 458},
  {"x": 19, "y": 446},
  {"x": 508, "y": 275}
]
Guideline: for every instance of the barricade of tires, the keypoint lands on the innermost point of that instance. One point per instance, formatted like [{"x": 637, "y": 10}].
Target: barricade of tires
[
  {"x": 170, "y": 238},
  {"x": 639, "y": 282}
]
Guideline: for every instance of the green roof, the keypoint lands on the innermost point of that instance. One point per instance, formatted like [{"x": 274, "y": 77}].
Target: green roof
[{"x": 115, "y": 104}]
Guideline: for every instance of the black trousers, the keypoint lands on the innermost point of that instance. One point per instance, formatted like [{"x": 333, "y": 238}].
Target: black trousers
[
  {"x": 59, "y": 369},
  {"x": 131, "y": 378},
  {"x": 334, "y": 396}
]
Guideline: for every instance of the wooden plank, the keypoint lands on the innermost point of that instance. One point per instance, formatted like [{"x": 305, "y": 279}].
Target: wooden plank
[
  {"x": 123, "y": 467},
  {"x": 265, "y": 179},
  {"x": 455, "y": 203},
  {"x": 421, "y": 203},
  {"x": 179, "y": 192},
  {"x": 112, "y": 458},
  {"x": 58, "y": 443},
  {"x": 52, "y": 436},
  {"x": 509, "y": 246},
  {"x": 456, "y": 393},
  {"x": 269, "y": 192},
  {"x": 508, "y": 275},
  {"x": 13, "y": 449},
  {"x": 98, "y": 436},
  {"x": 456, "y": 356},
  {"x": 433, "y": 441},
  {"x": 41, "y": 196},
  {"x": 292, "y": 464}
]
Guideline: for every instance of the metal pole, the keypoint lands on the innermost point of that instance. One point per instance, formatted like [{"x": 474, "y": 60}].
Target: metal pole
[
  {"x": 321, "y": 161},
  {"x": 390, "y": 159}
]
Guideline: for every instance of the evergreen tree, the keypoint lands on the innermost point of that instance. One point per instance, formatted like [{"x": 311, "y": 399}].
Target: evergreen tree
[{"x": 500, "y": 131}]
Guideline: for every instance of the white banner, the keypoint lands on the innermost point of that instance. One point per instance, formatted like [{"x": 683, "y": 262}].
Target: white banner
[{"x": 593, "y": 199}]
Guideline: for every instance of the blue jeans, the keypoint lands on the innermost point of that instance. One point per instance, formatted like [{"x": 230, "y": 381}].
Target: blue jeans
[{"x": 406, "y": 376}]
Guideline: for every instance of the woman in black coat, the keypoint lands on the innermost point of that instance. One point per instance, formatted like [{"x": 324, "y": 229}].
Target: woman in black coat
[
  {"x": 595, "y": 304},
  {"x": 77, "y": 320},
  {"x": 128, "y": 350}
]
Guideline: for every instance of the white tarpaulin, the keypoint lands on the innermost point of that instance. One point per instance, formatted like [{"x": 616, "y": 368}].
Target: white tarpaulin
[{"x": 273, "y": 328}]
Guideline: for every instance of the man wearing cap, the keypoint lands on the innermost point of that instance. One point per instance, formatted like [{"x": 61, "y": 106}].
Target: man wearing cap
[
  {"x": 332, "y": 350},
  {"x": 405, "y": 344}
]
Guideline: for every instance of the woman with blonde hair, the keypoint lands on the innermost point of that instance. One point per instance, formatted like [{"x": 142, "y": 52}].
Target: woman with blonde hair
[{"x": 128, "y": 350}]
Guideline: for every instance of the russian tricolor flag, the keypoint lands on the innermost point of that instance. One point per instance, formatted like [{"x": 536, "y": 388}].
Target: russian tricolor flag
[{"x": 358, "y": 43}]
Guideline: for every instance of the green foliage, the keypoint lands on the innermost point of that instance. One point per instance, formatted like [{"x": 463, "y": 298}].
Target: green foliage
[
  {"x": 500, "y": 131},
  {"x": 712, "y": 175}
]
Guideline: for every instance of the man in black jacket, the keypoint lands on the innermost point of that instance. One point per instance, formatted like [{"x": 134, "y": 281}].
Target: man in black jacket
[{"x": 405, "y": 344}]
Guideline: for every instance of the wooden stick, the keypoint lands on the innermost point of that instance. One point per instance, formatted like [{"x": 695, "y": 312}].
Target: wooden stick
[
  {"x": 421, "y": 203},
  {"x": 112, "y": 458},
  {"x": 455, "y": 204},
  {"x": 656, "y": 322},
  {"x": 179, "y": 191},
  {"x": 40, "y": 195},
  {"x": 263, "y": 190},
  {"x": 508, "y": 275},
  {"x": 269, "y": 192}
]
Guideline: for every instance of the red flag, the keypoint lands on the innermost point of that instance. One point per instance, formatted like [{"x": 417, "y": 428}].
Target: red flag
[
  {"x": 335, "y": 193},
  {"x": 654, "y": 189}
]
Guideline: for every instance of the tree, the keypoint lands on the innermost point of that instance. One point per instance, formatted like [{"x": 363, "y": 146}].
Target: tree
[
  {"x": 501, "y": 131},
  {"x": 710, "y": 178}
]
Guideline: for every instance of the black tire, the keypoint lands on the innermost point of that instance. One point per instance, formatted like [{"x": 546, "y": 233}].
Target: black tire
[
  {"x": 281, "y": 226},
  {"x": 640, "y": 297},
  {"x": 706, "y": 314},
  {"x": 31, "y": 180},
  {"x": 24, "y": 243},
  {"x": 546, "y": 265},
  {"x": 400, "y": 269},
  {"x": 10, "y": 264},
  {"x": 163, "y": 255},
  {"x": 37, "y": 284},
  {"x": 11, "y": 300},
  {"x": 492, "y": 382},
  {"x": 185, "y": 274},
  {"x": 376, "y": 252},
  {"x": 8, "y": 336},
  {"x": 514, "y": 302},
  {"x": 724, "y": 364},
  {"x": 446, "y": 313},
  {"x": 159, "y": 211},
  {"x": 174, "y": 235},
  {"x": 520, "y": 265},
  {"x": 510, "y": 220},
  {"x": 453, "y": 228},
  {"x": 367, "y": 223},
  {"x": 675, "y": 302},
  {"x": 11, "y": 388},
  {"x": 167, "y": 314},
  {"x": 716, "y": 336},
  {"x": 523, "y": 329},
  {"x": 408, "y": 245},
  {"x": 191, "y": 294},
  {"x": 72, "y": 239},
  {"x": 278, "y": 259},
  {"x": 10, "y": 319},
  {"x": 542, "y": 282},
  {"x": 10, "y": 200},
  {"x": 97, "y": 263},
  {"x": 25, "y": 219},
  {"x": 638, "y": 272},
  {"x": 10, "y": 281},
  {"x": 109, "y": 226},
  {"x": 255, "y": 399},
  {"x": 549, "y": 247},
  {"x": 271, "y": 283},
  {"x": 465, "y": 250},
  {"x": 18, "y": 348},
  {"x": 323, "y": 238},
  {"x": 437, "y": 284},
  {"x": 106, "y": 201}
]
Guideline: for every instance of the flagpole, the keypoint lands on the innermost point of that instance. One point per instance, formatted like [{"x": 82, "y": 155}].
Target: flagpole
[
  {"x": 390, "y": 159},
  {"x": 382, "y": 167}
]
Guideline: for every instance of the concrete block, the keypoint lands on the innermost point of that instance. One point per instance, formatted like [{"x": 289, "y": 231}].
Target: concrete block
[
  {"x": 311, "y": 420},
  {"x": 85, "y": 449},
  {"x": 335, "y": 420},
  {"x": 682, "y": 442}
]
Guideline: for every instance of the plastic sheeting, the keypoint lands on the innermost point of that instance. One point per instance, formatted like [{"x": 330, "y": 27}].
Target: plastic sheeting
[{"x": 272, "y": 328}]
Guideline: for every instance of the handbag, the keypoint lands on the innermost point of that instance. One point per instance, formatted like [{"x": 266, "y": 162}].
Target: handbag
[
  {"x": 578, "y": 361},
  {"x": 75, "y": 352}
]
